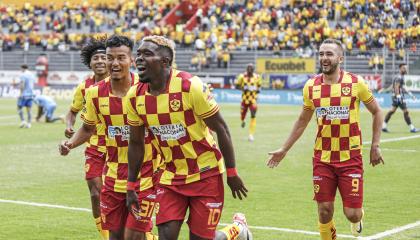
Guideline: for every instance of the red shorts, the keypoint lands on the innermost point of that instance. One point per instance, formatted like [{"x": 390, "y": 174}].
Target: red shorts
[
  {"x": 94, "y": 163},
  {"x": 204, "y": 199},
  {"x": 347, "y": 176},
  {"x": 115, "y": 215}
]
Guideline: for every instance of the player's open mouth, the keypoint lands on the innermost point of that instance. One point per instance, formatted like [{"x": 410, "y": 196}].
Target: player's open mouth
[
  {"x": 141, "y": 69},
  {"x": 115, "y": 70},
  {"x": 100, "y": 66}
]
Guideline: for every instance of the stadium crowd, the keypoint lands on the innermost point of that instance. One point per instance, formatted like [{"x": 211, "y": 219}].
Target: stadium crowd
[{"x": 226, "y": 25}]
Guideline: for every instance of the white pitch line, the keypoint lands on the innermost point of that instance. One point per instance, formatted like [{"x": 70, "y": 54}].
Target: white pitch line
[
  {"x": 45, "y": 205},
  {"x": 372, "y": 237},
  {"x": 222, "y": 224},
  {"x": 9, "y": 116},
  {"x": 394, "y": 139},
  {"x": 396, "y": 150},
  {"x": 393, "y": 231}
]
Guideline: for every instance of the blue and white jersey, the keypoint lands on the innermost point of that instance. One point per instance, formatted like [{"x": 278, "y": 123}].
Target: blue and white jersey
[
  {"x": 44, "y": 101},
  {"x": 27, "y": 80}
]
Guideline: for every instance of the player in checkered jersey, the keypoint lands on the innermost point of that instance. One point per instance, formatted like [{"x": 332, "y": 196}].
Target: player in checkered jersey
[
  {"x": 177, "y": 109},
  {"x": 94, "y": 57},
  {"x": 104, "y": 104},
  {"x": 250, "y": 84},
  {"x": 335, "y": 96}
]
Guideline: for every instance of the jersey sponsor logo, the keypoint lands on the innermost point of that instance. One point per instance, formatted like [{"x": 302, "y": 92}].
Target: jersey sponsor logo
[
  {"x": 346, "y": 90},
  {"x": 123, "y": 131},
  {"x": 333, "y": 112},
  {"x": 316, "y": 178},
  {"x": 169, "y": 131},
  {"x": 214, "y": 205},
  {"x": 357, "y": 175},
  {"x": 175, "y": 104}
]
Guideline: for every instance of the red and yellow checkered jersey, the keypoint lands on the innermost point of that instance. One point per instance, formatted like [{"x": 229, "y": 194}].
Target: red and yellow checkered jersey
[
  {"x": 97, "y": 140},
  {"x": 104, "y": 107},
  {"x": 250, "y": 87},
  {"x": 175, "y": 118},
  {"x": 337, "y": 111}
]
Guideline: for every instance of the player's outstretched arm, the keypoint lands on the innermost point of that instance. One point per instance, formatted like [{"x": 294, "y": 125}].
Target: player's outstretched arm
[
  {"x": 81, "y": 136},
  {"x": 70, "y": 121},
  {"x": 297, "y": 131},
  {"x": 218, "y": 125},
  {"x": 377, "y": 117},
  {"x": 135, "y": 160}
]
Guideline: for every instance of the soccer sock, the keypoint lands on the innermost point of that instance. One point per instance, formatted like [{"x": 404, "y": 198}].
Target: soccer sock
[
  {"x": 252, "y": 126},
  {"x": 327, "y": 231},
  {"x": 29, "y": 116},
  {"x": 412, "y": 127},
  {"x": 388, "y": 116},
  {"x": 104, "y": 233},
  {"x": 21, "y": 115},
  {"x": 151, "y": 236},
  {"x": 407, "y": 118},
  {"x": 232, "y": 231},
  {"x": 384, "y": 125}
]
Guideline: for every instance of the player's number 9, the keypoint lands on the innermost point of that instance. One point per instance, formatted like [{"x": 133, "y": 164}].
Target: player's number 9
[{"x": 355, "y": 184}]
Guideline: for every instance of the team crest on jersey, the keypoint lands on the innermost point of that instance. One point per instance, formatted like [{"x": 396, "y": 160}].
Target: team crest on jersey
[
  {"x": 346, "y": 90},
  {"x": 175, "y": 104}
]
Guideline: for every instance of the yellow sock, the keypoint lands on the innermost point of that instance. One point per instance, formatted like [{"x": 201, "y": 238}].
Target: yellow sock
[
  {"x": 231, "y": 231},
  {"x": 104, "y": 233},
  {"x": 252, "y": 126},
  {"x": 327, "y": 231},
  {"x": 151, "y": 236}
]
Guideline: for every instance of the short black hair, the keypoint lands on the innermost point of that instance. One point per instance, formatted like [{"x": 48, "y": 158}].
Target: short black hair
[
  {"x": 91, "y": 49},
  {"x": 118, "y": 41},
  {"x": 24, "y": 66},
  {"x": 402, "y": 64}
]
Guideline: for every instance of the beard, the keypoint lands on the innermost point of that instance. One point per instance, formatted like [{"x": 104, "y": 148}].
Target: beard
[
  {"x": 331, "y": 70},
  {"x": 144, "y": 79}
]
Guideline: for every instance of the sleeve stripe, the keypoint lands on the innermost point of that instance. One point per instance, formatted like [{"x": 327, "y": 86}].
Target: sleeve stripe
[
  {"x": 307, "y": 107},
  {"x": 369, "y": 100},
  {"x": 75, "y": 110},
  {"x": 211, "y": 112},
  {"x": 87, "y": 121},
  {"x": 133, "y": 123}
]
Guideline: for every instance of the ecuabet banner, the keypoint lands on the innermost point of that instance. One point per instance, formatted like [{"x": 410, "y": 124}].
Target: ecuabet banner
[{"x": 286, "y": 65}]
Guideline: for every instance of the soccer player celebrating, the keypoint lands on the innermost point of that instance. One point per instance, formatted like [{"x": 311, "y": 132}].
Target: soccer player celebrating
[
  {"x": 104, "y": 104},
  {"x": 250, "y": 84},
  {"x": 335, "y": 95},
  {"x": 94, "y": 57},
  {"x": 26, "y": 85},
  {"x": 177, "y": 109},
  {"x": 398, "y": 89}
]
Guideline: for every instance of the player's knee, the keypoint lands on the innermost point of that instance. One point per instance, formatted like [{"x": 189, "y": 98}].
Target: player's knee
[
  {"x": 116, "y": 235},
  {"x": 325, "y": 213},
  {"x": 353, "y": 215}
]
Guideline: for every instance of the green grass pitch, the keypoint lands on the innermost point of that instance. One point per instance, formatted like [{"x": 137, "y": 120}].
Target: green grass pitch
[{"x": 33, "y": 171}]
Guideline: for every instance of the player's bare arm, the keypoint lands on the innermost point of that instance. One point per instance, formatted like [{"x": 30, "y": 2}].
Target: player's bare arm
[
  {"x": 217, "y": 124},
  {"x": 297, "y": 131},
  {"x": 81, "y": 136},
  {"x": 135, "y": 160},
  {"x": 70, "y": 121},
  {"x": 39, "y": 114},
  {"x": 377, "y": 119}
]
